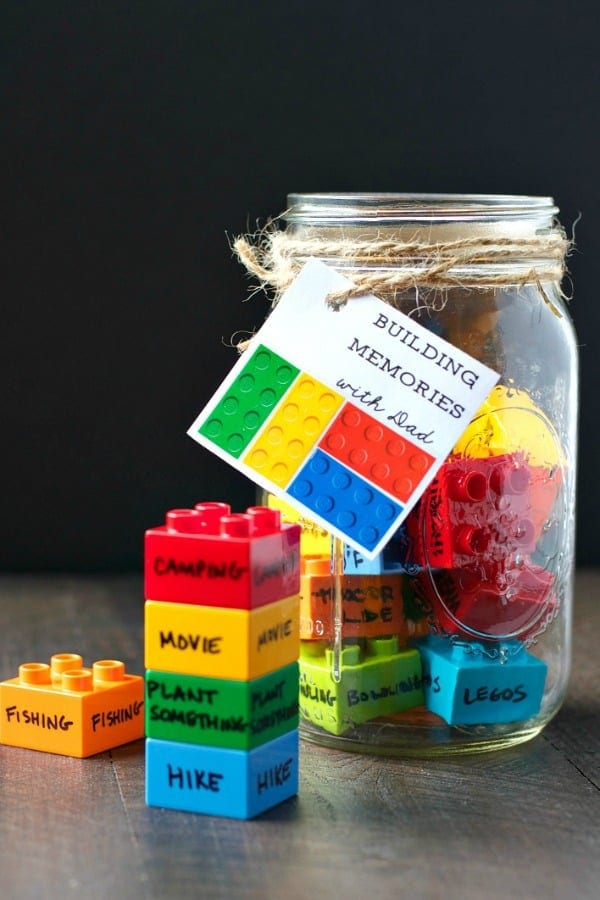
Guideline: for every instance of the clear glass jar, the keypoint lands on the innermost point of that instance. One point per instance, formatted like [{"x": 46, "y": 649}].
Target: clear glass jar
[{"x": 457, "y": 637}]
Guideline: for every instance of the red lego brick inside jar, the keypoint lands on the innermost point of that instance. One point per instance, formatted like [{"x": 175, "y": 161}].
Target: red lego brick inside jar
[
  {"x": 483, "y": 508},
  {"x": 509, "y": 603},
  {"x": 209, "y": 556}
]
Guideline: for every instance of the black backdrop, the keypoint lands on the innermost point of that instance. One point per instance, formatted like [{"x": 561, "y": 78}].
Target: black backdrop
[{"x": 136, "y": 136}]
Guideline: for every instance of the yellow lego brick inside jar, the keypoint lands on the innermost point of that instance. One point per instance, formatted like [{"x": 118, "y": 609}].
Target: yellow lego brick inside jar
[
  {"x": 221, "y": 643},
  {"x": 293, "y": 430},
  {"x": 508, "y": 422},
  {"x": 314, "y": 540}
]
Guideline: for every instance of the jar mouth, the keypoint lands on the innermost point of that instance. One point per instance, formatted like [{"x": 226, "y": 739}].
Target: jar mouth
[{"x": 418, "y": 208}]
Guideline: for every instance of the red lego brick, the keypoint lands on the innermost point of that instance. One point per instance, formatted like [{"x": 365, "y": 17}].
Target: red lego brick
[
  {"x": 482, "y": 509},
  {"x": 211, "y": 557},
  {"x": 514, "y": 603},
  {"x": 376, "y": 452},
  {"x": 543, "y": 492}
]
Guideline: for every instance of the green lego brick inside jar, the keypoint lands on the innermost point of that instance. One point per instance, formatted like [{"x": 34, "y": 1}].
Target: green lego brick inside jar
[
  {"x": 375, "y": 679},
  {"x": 220, "y": 712}
]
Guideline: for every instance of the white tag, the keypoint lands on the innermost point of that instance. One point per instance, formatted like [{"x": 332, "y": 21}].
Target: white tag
[{"x": 347, "y": 415}]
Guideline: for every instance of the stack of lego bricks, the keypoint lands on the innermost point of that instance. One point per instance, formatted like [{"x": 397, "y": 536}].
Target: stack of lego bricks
[{"x": 221, "y": 651}]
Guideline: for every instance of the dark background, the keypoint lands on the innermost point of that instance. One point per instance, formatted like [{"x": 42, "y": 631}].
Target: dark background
[{"x": 136, "y": 136}]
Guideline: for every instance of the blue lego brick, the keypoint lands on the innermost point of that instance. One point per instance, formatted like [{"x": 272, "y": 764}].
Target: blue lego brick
[
  {"x": 394, "y": 559},
  {"x": 343, "y": 499},
  {"x": 220, "y": 781},
  {"x": 356, "y": 564},
  {"x": 469, "y": 683}
]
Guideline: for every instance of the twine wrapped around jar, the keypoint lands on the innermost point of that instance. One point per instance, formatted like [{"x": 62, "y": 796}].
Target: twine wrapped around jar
[{"x": 388, "y": 266}]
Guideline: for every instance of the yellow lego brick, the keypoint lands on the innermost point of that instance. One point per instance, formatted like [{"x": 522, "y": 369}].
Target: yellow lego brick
[
  {"x": 314, "y": 540},
  {"x": 293, "y": 430},
  {"x": 67, "y": 709},
  {"x": 510, "y": 422},
  {"x": 216, "y": 642}
]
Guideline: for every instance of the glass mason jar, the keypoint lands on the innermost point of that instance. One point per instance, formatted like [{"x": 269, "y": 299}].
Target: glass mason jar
[{"x": 457, "y": 636}]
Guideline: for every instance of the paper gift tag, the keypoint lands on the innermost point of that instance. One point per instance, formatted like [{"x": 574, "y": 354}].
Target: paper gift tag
[{"x": 345, "y": 414}]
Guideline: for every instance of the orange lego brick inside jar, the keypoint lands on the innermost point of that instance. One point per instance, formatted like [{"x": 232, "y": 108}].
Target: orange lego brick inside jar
[
  {"x": 68, "y": 709},
  {"x": 371, "y": 604}
]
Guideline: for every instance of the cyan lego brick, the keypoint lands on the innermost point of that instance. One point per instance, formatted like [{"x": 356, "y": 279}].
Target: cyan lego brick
[
  {"x": 344, "y": 500},
  {"x": 220, "y": 712},
  {"x": 471, "y": 683},
  {"x": 220, "y": 781},
  {"x": 379, "y": 680},
  {"x": 251, "y": 398},
  {"x": 357, "y": 564}
]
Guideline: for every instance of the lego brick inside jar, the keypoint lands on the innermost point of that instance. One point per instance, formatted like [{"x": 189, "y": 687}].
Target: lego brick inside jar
[
  {"x": 71, "y": 710},
  {"x": 483, "y": 510},
  {"x": 314, "y": 539},
  {"x": 221, "y": 712},
  {"x": 509, "y": 601},
  {"x": 473, "y": 683},
  {"x": 396, "y": 557},
  {"x": 507, "y": 422},
  {"x": 375, "y": 680},
  {"x": 371, "y": 604},
  {"x": 219, "y": 781},
  {"x": 211, "y": 557}
]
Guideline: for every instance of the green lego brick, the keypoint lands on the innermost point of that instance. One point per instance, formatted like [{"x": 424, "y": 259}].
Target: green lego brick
[
  {"x": 377, "y": 680},
  {"x": 219, "y": 712},
  {"x": 248, "y": 402}
]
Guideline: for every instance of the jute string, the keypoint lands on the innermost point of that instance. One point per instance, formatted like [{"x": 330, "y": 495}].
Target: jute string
[{"x": 275, "y": 257}]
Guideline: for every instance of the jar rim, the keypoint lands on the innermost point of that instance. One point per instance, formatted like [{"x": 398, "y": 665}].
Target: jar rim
[{"x": 418, "y": 208}]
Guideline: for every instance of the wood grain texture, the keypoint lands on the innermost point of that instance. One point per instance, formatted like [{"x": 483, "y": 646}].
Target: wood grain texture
[{"x": 523, "y": 823}]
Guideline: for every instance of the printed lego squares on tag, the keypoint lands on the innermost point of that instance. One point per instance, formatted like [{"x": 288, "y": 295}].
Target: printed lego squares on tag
[{"x": 345, "y": 414}]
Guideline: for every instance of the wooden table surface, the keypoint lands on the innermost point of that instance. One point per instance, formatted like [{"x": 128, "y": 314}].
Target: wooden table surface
[{"x": 522, "y": 823}]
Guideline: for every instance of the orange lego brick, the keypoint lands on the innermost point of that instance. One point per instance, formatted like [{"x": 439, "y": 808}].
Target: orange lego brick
[
  {"x": 371, "y": 604},
  {"x": 67, "y": 709}
]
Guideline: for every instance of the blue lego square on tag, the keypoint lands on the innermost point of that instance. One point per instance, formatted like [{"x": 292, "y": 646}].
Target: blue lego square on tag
[
  {"x": 220, "y": 781},
  {"x": 344, "y": 500},
  {"x": 467, "y": 686}
]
